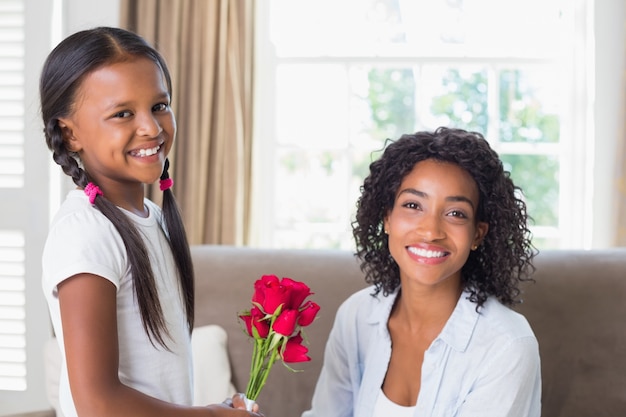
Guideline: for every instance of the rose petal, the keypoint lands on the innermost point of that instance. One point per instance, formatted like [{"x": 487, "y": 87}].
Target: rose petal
[
  {"x": 260, "y": 323},
  {"x": 285, "y": 323},
  {"x": 294, "y": 350},
  {"x": 308, "y": 313},
  {"x": 247, "y": 319},
  {"x": 260, "y": 285},
  {"x": 298, "y": 292},
  {"x": 274, "y": 297}
]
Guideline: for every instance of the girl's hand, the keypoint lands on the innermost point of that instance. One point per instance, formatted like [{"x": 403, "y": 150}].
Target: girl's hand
[{"x": 240, "y": 401}]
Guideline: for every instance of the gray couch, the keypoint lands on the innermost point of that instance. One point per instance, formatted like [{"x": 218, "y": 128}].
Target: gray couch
[{"x": 577, "y": 308}]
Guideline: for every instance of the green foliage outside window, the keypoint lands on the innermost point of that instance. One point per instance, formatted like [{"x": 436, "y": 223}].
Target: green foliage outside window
[
  {"x": 464, "y": 104},
  {"x": 522, "y": 117},
  {"x": 392, "y": 102},
  {"x": 464, "y": 101}
]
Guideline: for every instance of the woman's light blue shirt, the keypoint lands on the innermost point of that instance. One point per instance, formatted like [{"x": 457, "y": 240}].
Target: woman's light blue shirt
[{"x": 484, "y": 363}]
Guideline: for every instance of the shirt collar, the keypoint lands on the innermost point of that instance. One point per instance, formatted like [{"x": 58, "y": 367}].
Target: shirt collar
[
  {"x": 457, "y": 331},
  {"x": 460, "y": 326},
  {"x": 381, "y": 306}
]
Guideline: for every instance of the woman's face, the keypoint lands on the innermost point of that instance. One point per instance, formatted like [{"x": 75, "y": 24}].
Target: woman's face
[{"x": 432, "y": 226}]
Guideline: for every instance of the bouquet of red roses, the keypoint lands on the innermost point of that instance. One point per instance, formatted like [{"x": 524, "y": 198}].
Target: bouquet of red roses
[{"x": 275, "y": 321}]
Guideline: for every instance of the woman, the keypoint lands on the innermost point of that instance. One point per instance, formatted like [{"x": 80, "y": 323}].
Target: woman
[{"x": 442, "y": 236}]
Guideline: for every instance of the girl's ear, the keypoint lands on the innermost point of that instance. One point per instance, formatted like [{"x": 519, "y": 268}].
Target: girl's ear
[{"x": 71, "y": 143}]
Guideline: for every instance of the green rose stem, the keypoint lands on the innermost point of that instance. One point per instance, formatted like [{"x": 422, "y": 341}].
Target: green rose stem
[
  {"x": 260, "y": 368},
  {"x": 264, "y": 354}
]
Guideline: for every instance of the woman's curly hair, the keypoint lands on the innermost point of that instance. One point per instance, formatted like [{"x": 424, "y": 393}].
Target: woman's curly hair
[{"x": 504, "y": 258}]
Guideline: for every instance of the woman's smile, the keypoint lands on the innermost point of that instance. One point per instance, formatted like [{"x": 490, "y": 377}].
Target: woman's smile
[{"x": 426, "y": 254}]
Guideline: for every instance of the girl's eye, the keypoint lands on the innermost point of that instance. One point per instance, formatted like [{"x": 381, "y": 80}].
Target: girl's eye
[{"x": 122, "y": 114}]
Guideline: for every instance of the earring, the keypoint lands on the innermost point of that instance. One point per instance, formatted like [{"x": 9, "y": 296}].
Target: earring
[
  {"x": 386, "y": 231},
  {"x": 474, "y": 247}
]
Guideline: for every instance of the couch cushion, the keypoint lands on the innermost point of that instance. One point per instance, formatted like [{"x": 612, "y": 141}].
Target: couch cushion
[
  {"x": 577, "y": 309},
  {"x": 211, "y": 366}
]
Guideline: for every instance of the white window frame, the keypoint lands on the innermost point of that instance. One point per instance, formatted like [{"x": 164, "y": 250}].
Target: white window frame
[{"x": 584, "y": 222}]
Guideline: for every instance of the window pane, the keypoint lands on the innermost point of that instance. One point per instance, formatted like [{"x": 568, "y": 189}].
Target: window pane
[
  {"x": 334, "y": 28},
  {"x": 305, "y": 182},
  {"x": 308, "y": 28},
  {"x": 529, "y": 105},
  {"x": 312, "y": 105},
  {"x": 383, "y": 103},
  {"x": 538, "y": 176},
  {"x": 459, "y": 97}
]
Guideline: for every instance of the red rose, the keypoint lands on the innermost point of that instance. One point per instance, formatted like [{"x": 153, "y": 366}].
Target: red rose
[
  {"x": 285, "y": 323},
  {"x": 279, "y": 311},
  {"x": 255, "y": 318},
  {"x": 261, "y": 286},
  {"x": 297, "y": 292},
  {"x": 295, "y": 351},
  {"x": 274, "y": 294},
  {"x": 307, "y": 313}
]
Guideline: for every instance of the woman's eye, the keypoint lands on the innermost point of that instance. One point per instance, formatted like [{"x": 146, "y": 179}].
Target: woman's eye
[
  {"x": 160, "y": 107},
  {"x": 457, "y": 213},
  {"x": 410, "y": 205}
]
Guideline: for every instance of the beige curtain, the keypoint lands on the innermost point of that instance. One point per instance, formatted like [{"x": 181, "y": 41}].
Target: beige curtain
[{"x": 208, "y": 47}]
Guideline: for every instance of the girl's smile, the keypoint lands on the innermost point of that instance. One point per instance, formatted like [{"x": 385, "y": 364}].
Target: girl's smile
[
  {"x": 122, "y": 128},
  {"x": 144, "y": 152}
]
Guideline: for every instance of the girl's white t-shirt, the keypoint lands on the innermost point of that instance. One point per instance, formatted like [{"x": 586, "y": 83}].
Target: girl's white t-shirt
[{"x": 82, "y": 240}]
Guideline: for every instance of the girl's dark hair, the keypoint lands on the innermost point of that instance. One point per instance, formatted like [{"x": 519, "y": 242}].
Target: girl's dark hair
[
  {"x": 504, "y": 258},
  {"x": 64, "y": 71}
]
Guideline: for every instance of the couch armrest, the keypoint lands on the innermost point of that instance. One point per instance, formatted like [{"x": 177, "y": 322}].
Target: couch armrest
[{"x": 44, "y": 413}]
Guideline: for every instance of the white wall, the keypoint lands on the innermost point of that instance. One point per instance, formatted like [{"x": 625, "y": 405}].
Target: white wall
[
  {"x": 608, "y": 110},
  {"x": 85, "y": 14}
]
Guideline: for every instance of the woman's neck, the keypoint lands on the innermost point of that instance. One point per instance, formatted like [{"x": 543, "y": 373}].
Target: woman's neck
[{"x": 426, "y": 309}]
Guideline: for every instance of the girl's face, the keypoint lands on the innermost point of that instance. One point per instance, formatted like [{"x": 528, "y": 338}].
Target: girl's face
[
  {"x": 122, "y": 125},
  {"x": 432, "y": 225}
]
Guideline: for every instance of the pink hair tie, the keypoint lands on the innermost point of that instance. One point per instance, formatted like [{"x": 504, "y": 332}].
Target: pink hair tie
[
  {"x": 92, "y": 191},
  {"x": 166, "y": 184}
]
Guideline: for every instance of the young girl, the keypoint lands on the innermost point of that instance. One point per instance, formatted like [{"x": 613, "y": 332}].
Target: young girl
[
  {"x": 443, "y": 238},
  {"x": 118, "y": 275}
]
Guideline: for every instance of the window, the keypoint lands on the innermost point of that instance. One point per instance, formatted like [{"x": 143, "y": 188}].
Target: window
[
  {"x": 24, "y": 162},
  {"x": 12, "y": 268},
  {"x": 11, "y": 94},
  {"x": 338, "y": 78}
]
